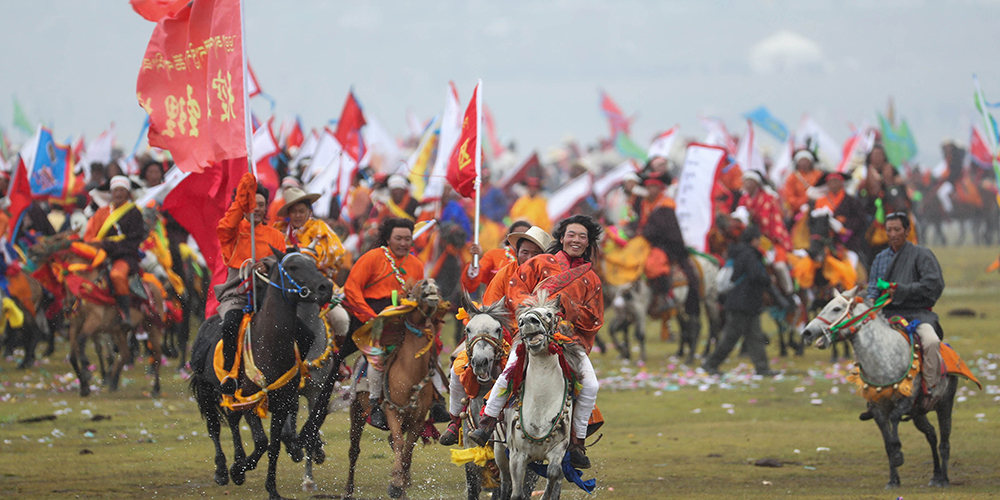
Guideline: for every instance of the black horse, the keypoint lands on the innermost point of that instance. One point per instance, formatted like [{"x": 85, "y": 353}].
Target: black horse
[{"x": 274, "y": 331}]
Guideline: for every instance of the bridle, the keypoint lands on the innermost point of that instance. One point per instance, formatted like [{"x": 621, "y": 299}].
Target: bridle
[
  {"x": 832, "y": 330},
  {"x": 303, "y": 292}
]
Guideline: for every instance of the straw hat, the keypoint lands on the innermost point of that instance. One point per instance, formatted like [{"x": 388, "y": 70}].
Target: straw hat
[
  {"x": 534, "y": 234},
  {"x": 295, "y": 195}
]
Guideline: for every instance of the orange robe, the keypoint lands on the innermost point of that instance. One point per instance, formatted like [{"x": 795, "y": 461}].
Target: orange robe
[
  {"x": 498, "y": 288},
  {"x": 794, "y": 191},
  {"x": 372, "y": 277},
  {"x": 649, "y": 206},
  {"x": 580, "y": 296},
  {"x": 491, "y": 263},
  {"x": 234, "y": 230}
]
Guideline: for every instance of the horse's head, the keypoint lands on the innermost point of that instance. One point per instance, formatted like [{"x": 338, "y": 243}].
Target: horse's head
[
  {"x": 426, "y": 294},
  {"x": 298, "y": 277},
  {"x": 484, "y": 336},
  {"x": 47, "y": 246},
  {"x": 837, "y": 310},
  {"x": 537, "y": 320}
]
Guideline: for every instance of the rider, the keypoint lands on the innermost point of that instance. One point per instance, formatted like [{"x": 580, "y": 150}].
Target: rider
[
  {"x": 380, "y": 279},
  {"x": 118, "y": 228},
  {"x": 916, "y": 275},
  {"x": 301, "y": 229},
  {"x": 492, "y": 262},
  {"x": 526, "y": 245},
  {"x": 234, "y": 239},
  {"x": 566, "y": 271}
]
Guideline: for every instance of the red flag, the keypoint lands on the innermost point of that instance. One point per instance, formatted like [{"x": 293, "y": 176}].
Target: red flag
[
  {"x": 19, "y": 194},
  {"x": 491, "y": 132},
  {"x": 253, "y": 88},
  {"x": 295, "y": 137},
  {"x": 155, "y": 10},
  {"x": 348, "y": 132},
  {"x": 616, "y": 119},
  {"x": 521, "y": 171},
  {"x": 191, "y": 85},
  {"x": 460, "y": 175},
  {"x": 978, "y": 149}
]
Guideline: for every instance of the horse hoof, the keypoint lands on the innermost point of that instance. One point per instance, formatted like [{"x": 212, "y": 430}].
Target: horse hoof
[
  {"x": 84, "y": 389},
  {"x": 221, "y": 478},
  {"x": 891, "y": 486},
  {"x": 395, "y": 491},
  {"x": 940, "y": 483},
  {"x": 296, "y": 454},
  {"x": 308, "y": 485},
  {"x": 238, "y": 473},
  {"x": 318, "y": 456}
]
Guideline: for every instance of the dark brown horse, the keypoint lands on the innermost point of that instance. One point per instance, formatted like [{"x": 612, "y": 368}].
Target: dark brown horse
[
  {"x": 407, "y": 389},
  {"x": 271, "y": 345}
]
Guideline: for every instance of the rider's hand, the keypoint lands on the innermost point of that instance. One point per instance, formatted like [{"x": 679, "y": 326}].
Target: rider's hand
[
  {"x": 883, "y": 285},
  {"x": 475, "y": 249},
  {"x": 260, "y": 267}
]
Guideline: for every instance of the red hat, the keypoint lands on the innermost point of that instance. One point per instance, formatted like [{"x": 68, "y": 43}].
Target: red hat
[{"x": 533, "y": 182}]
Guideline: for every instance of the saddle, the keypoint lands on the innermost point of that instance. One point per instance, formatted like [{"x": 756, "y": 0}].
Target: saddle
[{"x": 953, "y": 365}]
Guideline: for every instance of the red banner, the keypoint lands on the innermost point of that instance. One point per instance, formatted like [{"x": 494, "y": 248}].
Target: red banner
[
  {"x": 154, "y": 10},
  {"x": 191, "y": 85},
  {"x": 349, "y": 128},
  {"x": 462, "y": 166}
]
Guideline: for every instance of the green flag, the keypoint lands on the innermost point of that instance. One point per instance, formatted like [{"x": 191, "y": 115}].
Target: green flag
[
  {"x": 21, "y": 120},
  {"x": 4, "y": 146},
  {"x": 898, "y": 141},
  {"x": 628, "y": 148}
]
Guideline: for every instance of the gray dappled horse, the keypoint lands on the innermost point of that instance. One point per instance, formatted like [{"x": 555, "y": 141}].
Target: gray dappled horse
[
  {"x": 884, "y": 358},
  {"x": 540, "y": 420}
]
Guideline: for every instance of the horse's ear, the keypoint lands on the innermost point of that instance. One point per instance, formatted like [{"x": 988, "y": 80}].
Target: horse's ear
[
  {"x": 277, "y": 253},
  {"x": 849, "y": 295},
  {"x": 467, "y": 304},
  {"x": 836, "y": 293}
]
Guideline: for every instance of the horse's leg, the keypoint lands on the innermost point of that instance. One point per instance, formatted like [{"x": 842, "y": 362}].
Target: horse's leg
[
  {"x": 278, "y": 419},
  {"x": 76, "y": 358},
  {"x": 553, "y": 486},
  {"x": 473, "y": 480},
  {"x": 288, "y": 436},
  {"x": 308, "y": 483},
  {"x": 399, "y": 439},
  {"x": 518, "y": 466},
  {"x": 156, "y": 354},
  {"x": 640, "y": 336},
  {"x": 617, "y": 325},
  {"x": 309, "y": 435},
  {"x": 207, "y": 406},
  {"x": 121, "y": 338},
  {"x": 924, "y": 425},
  {"x": 944, "y": 409},
  {"x": 357, "y": 428},
  {"x": 893, "y": 448}
]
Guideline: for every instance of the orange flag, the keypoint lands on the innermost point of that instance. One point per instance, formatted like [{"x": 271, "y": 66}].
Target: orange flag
[
  {"x": 191, "y": 85},
  {"x": 464, "y": 166}
]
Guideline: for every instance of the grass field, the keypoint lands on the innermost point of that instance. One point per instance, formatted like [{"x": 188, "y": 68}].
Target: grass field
[{"x": 670, "y": 432}]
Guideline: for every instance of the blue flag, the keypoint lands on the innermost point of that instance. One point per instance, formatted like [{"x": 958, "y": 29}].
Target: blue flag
[
  {"x": 48, "y": 173},
  {"x": 765, "y": 120}
]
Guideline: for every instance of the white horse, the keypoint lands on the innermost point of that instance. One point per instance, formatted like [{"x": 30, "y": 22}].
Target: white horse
[
  {"x": 539, "y": 421},
  {"x": 885, "y": 359},
  {"x": 484, "y": 344}
]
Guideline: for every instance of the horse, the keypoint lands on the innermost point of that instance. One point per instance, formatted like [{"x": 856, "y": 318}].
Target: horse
[
  {"x": 539, "y": 423},
  {"x": 407, "y": 388},
  {"x": 885, "y": 359},
  {"x": 96, "y": 313},
  {"x": 484, "y": 345},
  {"x": 33, "y": 327},
  {"x": 270, "y": 357}
]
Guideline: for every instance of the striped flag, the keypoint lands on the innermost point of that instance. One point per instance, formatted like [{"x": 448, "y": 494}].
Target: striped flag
[{"x": 990, "y": 126}]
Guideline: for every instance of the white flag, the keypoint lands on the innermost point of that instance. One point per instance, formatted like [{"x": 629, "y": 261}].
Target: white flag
[
  {"x": 565, "y": 198},
  {"x": 747, "y": 154},
  {"x": 827, "y": 149},
  {"x": 663, "y": 144},
  {"x": 613, "y": 178},
  {"x": 451, "y": 129},
  {"x": 694, "y": 194},
  {"x": 99, "y": 151}
]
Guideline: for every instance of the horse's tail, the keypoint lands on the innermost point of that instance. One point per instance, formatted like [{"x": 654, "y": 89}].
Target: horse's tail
[
  {"x": 205, "y": 394},
  {"x": 201, "y": 386}
]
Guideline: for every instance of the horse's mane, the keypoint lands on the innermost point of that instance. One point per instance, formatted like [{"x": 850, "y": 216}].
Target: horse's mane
[
  {"x": 495, "y": 311},
  {"x": 540, "y": 299}
]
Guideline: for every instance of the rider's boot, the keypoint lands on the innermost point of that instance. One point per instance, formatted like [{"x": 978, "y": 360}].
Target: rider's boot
[
  {"x": 482, "y": 435},
  {"x": 230, "y": 333},
  {"x": 450, "y": 435},
  {"x": 377, "y": 416},
  {"x": 122, "y": 303},
  {"x": 578, "y": 453}
]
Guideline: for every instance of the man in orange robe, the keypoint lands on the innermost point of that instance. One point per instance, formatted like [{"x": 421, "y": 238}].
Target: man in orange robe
[
  {"x": 379, "y": 279},
  {"x": 566, "y": 273},
  {"x": 805, "y": 176},
  {"x": 234, "y": 239},
  {"x": 492, "y": 262},
  {"x": 526, "y": 245}
]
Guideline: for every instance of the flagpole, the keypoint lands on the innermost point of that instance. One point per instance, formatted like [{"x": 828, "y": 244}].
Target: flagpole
[
  {"x": 479, "y": 162},
  {"x": 248, "y": 136}
]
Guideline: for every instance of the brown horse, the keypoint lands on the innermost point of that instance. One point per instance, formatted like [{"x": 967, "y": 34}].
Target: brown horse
[
  {"x": 407, "y": 389},
  {"x": 90, "y": 317}
]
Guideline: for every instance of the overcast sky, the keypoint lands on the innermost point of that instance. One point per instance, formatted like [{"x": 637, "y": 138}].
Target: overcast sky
[{"x": 74, "y": 63}]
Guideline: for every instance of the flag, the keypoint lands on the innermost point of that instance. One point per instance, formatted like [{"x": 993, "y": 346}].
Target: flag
[
  {"x": 747, "y": 154},
  {"x": 782, "y": 166},
  {"x": 4, "y": 144},
  {"x": 663, "y": 143},
  {"x": 413, "y": 125},
  {"x": 155, "y": 10},
  {"x": 191, "y": 85},
  {"x": 992, "y": 134},
  {"x": 562, "y": 200},
  {"x": 467, "y": 149},
  {"x": 265, "y": 147},
  {"x": 979, "y": 152},
  {"x": 99, "y": 151},
  {"x": 826, "y": 148},
  {"x": 617, "y": 120},
  {"x": 349, "y": 128},
  {"x": 495, "y": 148},
  {"x": 702, "y": 164},
  {"x": 253, "y": 88},
  {"x": 451, "y": 129},
  {"x": 610, "y": 180},
  {"x": 763, "y": 118},
  {"x": 305, "y": 152},
  {"x": 628, "y": 148},
  {"x": 18, "y": 197},
  {"x": 21, "y": 120},
  {"x": 327, "y": 150},
  {"x": 856, "y": 148},
  {"x": 898, "y": 141},
  {"x": 292, "y": 137},
  {"x": 51, "y": 167},
  {"x": 418, "y": 166},
  {"x": 521, "y": 171},
  {"x": 383, "y": 151},
  {"x": 717, "y": 135}
]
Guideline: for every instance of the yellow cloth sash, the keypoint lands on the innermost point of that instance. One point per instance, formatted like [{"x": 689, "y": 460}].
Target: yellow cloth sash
[
  {"x": 398, "y": 211},
  {"x": 114, "y": 217}
]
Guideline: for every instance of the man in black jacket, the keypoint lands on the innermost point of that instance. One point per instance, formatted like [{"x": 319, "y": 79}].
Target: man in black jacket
[{"x": 743, "y": 305}]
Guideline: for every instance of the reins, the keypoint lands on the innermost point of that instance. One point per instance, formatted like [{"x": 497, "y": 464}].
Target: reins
[
  {"x": 854, "y": 323},
  {"x": 302, "y": 291}
]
